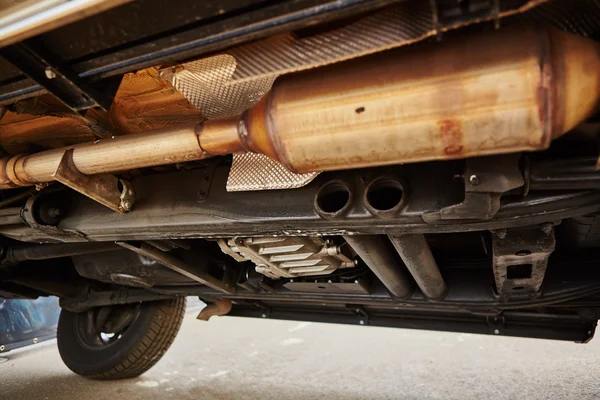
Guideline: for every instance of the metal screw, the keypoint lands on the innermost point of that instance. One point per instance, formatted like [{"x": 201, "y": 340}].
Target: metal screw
[
  {"x": 35, "y": 340},
  {"x": 496, "y": 332},
  {"x": 127, "y": 205},
  {"x": 474, "y": 180},
  {"x": 50, "y": 74},
  {"x": 264, "y": 315},
  {"x": 2, "y": 348},
  {"x": 355, "y": 281},
  {"x": 362, "y": 322}
]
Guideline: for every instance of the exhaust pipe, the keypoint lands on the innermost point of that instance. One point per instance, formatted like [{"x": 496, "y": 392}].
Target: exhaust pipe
[
  {"x": 508, "y": 91},
  {"x": 374, "y": 252},
  {"x": 417, "y": 257}
]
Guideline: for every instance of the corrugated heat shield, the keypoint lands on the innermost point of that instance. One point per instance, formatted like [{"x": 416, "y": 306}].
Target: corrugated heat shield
[{"x": 227, "y": 84}]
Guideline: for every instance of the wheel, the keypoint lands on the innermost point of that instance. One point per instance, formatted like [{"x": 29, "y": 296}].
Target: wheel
[{"x": 118, "y": 342}]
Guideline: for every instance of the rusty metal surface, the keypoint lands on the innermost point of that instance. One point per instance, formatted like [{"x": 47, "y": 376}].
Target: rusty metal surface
[
  {"x": 146, "y": 102},
  {"x": 487, "y": 94},
  {"x": 520, "y": 259},
  {"x": 27, "y": 130},
  {"x": 121, "y": 153},
  {"x": 252, "y": 171},
  {"x": 103, "y": 188},
  {"x": 143, "y": 102},
  {"x": 414, "y": 105},
  {"x": 228, "y": 84},
  {"x": 219, "y": 307}
]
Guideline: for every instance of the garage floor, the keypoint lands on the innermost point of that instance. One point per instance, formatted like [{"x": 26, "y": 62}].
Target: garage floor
[{"x": 229, "y": 358}]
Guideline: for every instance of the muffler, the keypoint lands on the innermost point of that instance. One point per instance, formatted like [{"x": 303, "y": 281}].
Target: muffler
[{"x": 507, "y": 91}]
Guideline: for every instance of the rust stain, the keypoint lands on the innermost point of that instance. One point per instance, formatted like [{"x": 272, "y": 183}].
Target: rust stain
[
  {"x": 451, "y": 136},
  {"x": 143, "y": 102}
]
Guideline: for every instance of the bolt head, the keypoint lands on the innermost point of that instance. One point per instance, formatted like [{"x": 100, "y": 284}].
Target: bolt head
[
  {"x": 362, "y": 322},
  {"x": 496, "y": 332},
  {"x": 264, "y": 315},
  {"x": 474, "y": 180}
]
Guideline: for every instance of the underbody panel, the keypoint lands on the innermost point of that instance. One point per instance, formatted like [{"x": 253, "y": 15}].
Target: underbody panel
[{"x": 426, "y": 165}]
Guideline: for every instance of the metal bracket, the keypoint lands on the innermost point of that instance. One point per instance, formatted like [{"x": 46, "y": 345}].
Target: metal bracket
[
  {"x": 496, "y": 324},
  {"x": 520, "y": 260},
  {"x": 57, "y": 78},
  {"x": 104, "y": 188},
  {"x": 359, "y": 311},
  {"x": 266, "y": 311},
  {"x": 486, "y": 180},
  {"x": 450, "y": 13},
  {"x": 178, "y": 266}
]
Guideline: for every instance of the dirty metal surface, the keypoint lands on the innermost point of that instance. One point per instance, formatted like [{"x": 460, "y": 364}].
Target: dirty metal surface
[
  {"x": 178, "y": 266},
  {"x": 486, "y": 179},
  {"x": 229, "y": 83},
  {"x": 143, "y": 103},
  {"x": 281, "y": 257},
  {"x": 520, "y": 259},
  {"x": 103, "y": 188}
]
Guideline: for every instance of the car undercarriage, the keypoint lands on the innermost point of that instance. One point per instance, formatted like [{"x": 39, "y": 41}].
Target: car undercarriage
[{"x": 413, "y": 164}]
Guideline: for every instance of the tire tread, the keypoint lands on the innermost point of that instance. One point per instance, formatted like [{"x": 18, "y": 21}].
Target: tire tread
[{"x": 166, "y": 321}]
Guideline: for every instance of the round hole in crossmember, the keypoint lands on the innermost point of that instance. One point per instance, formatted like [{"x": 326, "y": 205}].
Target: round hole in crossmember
[
  {"x": 333, "y": 199},
  {"x": 518, "y": 288},
  {"x": 384, "y": 196}
]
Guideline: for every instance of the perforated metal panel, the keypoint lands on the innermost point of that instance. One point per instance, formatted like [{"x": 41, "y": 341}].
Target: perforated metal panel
[
  {"x": 251, "y": 171},
  {"x": 228, "y": 84}
]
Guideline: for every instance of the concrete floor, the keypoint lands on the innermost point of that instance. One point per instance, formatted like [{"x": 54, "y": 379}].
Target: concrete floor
[{"x": 229, "y": 358}]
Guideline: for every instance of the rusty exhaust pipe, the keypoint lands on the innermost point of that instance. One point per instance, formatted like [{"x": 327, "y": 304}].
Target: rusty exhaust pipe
[{"x": 507, "y": 91}]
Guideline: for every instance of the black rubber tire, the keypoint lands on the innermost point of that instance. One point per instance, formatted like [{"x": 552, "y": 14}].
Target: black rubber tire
[{"x": 140, "y": 347}]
